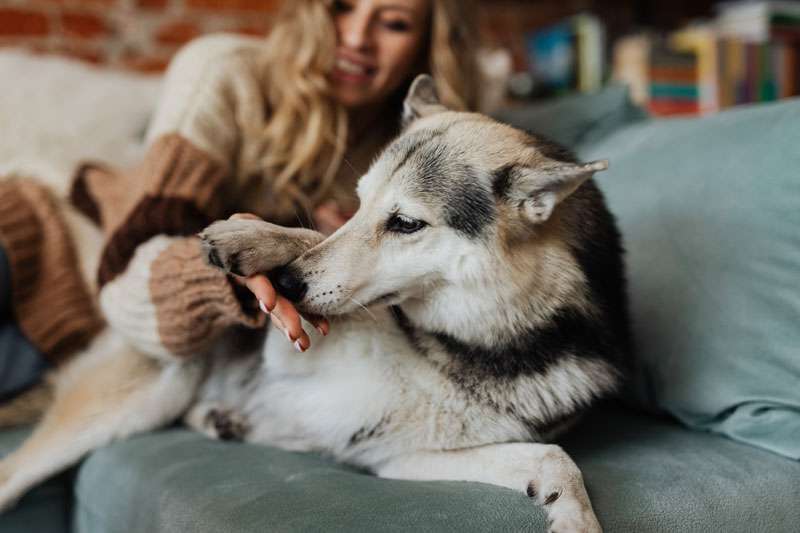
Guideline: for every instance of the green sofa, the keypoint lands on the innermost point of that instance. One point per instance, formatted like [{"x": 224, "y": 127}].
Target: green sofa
[{"x": 644, "y": 470}]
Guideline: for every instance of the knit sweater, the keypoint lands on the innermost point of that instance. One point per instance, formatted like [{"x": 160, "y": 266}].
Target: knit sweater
[{"x": 204, "y": 162}]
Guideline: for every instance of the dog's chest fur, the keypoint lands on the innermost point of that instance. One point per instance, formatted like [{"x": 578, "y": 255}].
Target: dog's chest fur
[{"x": 371, "y": 392}]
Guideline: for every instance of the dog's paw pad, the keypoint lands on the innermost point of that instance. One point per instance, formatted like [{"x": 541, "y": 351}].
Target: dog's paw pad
[{"x": 226, "y": 425}]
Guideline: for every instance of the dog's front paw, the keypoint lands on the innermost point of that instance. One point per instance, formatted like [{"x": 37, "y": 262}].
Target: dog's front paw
[
  {"x": 224, "y": 424},
  {"x": 246, "y": 246},
  {"x": 567, "y": 504},
  {"x": 231, "y": 245},
  {"x": 568, "y": 515}
]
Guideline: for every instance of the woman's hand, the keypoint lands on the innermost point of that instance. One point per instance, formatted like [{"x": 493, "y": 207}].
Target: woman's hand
[
  {"x": 328, "y": 217},
  {"x": 281, "y": 311}
]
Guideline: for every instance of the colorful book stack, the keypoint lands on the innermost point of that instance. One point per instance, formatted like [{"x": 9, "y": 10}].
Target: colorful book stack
[
  {"x": 750, "y": 53},
  {"x": 759, "y": 51},
  {"x": 674, "y": 82}
]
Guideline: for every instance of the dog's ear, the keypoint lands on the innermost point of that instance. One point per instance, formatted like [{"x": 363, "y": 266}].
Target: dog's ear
[
  {"x": 537, "y": 191},
  {"x": 422, "y": 100}
]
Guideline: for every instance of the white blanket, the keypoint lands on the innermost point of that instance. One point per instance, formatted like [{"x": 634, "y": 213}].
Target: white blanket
[{"x": 55, "y": 112}]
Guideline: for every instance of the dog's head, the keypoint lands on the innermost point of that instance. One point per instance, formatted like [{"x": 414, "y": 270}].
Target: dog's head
[{"x": 449, "y": 200}]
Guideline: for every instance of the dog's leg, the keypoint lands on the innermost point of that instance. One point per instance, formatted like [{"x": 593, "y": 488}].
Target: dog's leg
[
  {"x": 105, "y": 394},
  {"x": 545, "y": 472},
  {"x": 214, "y": 421}
]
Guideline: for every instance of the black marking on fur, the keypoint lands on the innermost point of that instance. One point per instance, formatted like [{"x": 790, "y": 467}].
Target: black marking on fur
[
  {"x": 531, "y": 352},
  {"x": 600, "y": 255},
  {"x": 466, "y": 202},
  {"x": 501, "y": 181},
  {"x": 410, "y": 332},
  {"x": 213, "y": 256},
  {"x": 412, "y": 143},
  {"x": 530, "y": 491},
  {"x": 366, "y": 433},
  {"x": 553, "y": 496},
  {"x": 440, "y": 174},
  {"x": 225, "y": 426},
  {"x": 233, "y": 264}
]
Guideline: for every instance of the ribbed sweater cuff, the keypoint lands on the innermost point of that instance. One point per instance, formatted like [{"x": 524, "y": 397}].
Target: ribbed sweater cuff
[
  {"x": 21, "y": 237},
  {"x": 195, "y": 302},
  {"x": 50, "y": 300}
]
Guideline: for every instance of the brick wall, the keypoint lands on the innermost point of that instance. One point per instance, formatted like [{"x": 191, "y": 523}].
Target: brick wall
[
  {"x": 133, "y": 34},
  {"x": 144, "y": 34}
]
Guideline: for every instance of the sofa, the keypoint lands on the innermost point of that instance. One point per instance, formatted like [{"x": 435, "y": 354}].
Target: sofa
[{"x": 705, "y": 438}]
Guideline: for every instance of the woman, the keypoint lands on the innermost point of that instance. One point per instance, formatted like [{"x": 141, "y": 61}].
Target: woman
[{"x": 281, "y": 128}]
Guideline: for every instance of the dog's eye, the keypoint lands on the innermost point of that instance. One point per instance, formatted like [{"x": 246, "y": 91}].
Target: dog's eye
[{"x": 403, "y": 224}]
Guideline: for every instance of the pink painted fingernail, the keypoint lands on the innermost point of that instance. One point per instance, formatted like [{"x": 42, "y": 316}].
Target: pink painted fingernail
[
  {"x": 321, "y": 331},
  {"x": 299, "y": 346},
  {"x": 263, "y": 307}
]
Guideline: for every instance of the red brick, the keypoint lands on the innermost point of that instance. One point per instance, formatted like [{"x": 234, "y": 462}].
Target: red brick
[
  {"x": 22, "y": 22},
  {"x": 255, "y": 31},
  {"x": 84, "y": 25},
  {"x": 74, "y": 50},
  {"x": 152, "y": 4},
  {"x": 82, "y": 3},
  {"x": 149, "y": 64},
  {"x": 264, "y": 6},
  {"x": 177, "y": 32}
]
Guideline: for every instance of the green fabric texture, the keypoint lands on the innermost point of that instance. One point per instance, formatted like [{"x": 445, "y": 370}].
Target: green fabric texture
[
  {"x": 46, "y": 509},
  {"x": 643, "y": 474},
  {"x": 577, "y": 119},
  {"x": 709, "y": 210}
]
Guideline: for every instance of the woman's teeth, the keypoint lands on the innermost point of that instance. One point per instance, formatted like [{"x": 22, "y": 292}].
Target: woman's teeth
[{"x": 348, "y": 66}]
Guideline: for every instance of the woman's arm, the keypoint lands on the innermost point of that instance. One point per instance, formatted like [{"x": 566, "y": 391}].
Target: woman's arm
[{"x": 155, "y": 289}]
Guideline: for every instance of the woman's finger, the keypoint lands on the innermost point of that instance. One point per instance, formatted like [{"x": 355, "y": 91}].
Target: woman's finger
[
  {"x": 292, "y": 326},
  {"x": 328, "y": 217},
  {"x": 246, "y": 216},
  {"x": 264, "y": 291},
  {"x": 321, "y": 324}
]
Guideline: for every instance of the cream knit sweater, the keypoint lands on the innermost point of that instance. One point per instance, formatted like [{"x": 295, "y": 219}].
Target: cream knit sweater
[{"x": 203, "y": 163}]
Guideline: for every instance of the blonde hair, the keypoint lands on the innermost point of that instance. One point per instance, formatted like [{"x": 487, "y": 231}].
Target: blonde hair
[{"x": 306, "y": 135}]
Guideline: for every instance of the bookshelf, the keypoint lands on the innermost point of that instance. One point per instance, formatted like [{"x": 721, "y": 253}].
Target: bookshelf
[{"x": 679, "y": 57}]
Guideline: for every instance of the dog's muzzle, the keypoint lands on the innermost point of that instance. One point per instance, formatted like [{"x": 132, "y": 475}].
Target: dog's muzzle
[{"x": 289, "y": 282}]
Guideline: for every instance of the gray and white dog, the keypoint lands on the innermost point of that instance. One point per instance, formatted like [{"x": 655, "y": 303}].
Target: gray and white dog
[{"x": 493, "y": 280}]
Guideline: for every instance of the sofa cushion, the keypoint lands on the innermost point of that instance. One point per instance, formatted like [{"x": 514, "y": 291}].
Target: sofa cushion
[
  {"x": 47, "y": 508},
  {"x": 577, "y": 119},
  {"x": 643, "y": 474},
  {"x": 710, "y": 214}
]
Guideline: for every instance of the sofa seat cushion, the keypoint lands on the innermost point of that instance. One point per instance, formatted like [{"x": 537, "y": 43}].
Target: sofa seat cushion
[
  {"x": 643, "y": 474},
  {"x": 46, "y": 509}
]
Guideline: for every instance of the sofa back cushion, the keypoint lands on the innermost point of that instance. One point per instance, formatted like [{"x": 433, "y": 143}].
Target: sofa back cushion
[{"x": 709, "y": 209}]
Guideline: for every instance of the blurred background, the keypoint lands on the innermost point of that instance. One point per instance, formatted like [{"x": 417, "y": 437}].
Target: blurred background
[{"x": 680, "y": 57}]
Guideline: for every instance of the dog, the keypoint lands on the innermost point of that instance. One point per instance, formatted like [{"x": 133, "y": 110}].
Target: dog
[{"x": 477, "y": 303}]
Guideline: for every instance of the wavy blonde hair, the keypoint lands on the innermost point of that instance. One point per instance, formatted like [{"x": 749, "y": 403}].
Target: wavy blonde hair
[{"x": 306, "y": 134}]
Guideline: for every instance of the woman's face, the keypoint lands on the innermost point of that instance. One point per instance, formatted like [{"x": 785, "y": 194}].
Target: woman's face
[{"x": 379, "y": 43}]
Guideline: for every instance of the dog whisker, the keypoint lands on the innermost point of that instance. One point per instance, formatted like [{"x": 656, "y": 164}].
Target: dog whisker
[{"x": 372, "y": 316}]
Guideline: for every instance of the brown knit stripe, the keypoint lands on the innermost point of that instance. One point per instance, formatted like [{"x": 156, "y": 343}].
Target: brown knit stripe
[
  {"x": 177, "y": 168},
  {"x": 80, "y": 195},
  {"x": 54, "y": 309},
  {"x": 21, "y": 238},
  {"x": 152, "y": 216},
  {"x": 194, "y": 302}
]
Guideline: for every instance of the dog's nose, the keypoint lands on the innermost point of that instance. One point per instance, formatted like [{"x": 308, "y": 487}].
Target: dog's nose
[{"x": 289, "y": 282}]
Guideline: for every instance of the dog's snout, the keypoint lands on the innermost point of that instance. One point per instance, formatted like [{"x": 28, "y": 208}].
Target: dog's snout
[{"x": 289, "y": 282}]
